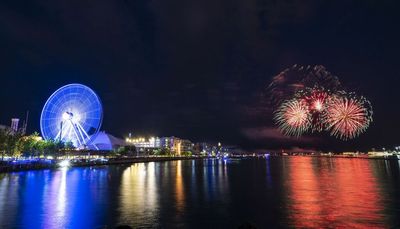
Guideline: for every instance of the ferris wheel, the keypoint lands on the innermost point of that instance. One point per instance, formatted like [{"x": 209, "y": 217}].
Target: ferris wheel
[{"x": 73, "y": 114}]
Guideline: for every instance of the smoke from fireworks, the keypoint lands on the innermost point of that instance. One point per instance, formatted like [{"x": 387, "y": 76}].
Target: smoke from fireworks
[
  {"x": 312, "y": 99},
  {"x": 287, "y": 83}
]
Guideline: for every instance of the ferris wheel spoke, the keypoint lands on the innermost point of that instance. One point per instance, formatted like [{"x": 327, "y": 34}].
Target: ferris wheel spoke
[
  {"x": 83, "y": 130},
  {"x": 80, "y": 132},
  {"x": 67, "y": 131},
  {"x": 70, "y": 113},
  {"x": 76, "y": 135}
]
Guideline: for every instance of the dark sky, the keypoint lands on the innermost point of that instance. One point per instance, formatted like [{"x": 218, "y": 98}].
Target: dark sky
[{"x": 196, "y": 69}]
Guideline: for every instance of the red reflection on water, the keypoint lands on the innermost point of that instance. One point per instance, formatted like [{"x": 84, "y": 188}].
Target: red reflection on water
[{"x": 335, "y": 193}]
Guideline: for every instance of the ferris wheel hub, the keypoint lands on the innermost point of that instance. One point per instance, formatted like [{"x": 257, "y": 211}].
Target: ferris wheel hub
[{"x": 67, "y": 115}]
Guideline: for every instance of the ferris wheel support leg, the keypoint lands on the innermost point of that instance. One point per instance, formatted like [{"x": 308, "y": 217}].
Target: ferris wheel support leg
[
  {"x": 76, "y": 134},
  {"x": 84, "y": 132},
  {"x": 77, "y": 126},
  {"x": 67, "y": 132},
  {"x": 58, "y": 135},
  {"x": 70, "y": 129}
]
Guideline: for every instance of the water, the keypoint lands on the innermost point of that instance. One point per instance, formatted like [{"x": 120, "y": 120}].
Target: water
[{"x": 279, "y": 192}]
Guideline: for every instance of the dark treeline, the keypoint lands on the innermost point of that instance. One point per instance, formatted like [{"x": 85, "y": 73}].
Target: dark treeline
[{"x": 15, "y": 144}]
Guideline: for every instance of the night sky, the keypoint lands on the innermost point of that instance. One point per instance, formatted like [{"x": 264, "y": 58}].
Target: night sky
[{"x": 199, "y": 69}]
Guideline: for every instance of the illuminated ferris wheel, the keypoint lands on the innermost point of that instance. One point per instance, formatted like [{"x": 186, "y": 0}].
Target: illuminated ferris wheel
[{"x": 73, "y": 114}]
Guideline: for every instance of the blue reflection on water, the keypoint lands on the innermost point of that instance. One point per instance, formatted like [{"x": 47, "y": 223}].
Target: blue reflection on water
[
  {"x": 66, "y": 198},
  {"x": 269, "y": 176}
]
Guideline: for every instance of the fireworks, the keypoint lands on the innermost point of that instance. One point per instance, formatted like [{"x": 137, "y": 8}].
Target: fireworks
[
  {"x": 347, "y": 116},
  {"x": 315, "y": 99},
  {"x": 293, "y": 117},
  {"x": 296, "y": 78},
  {"x": 312, "y": 99}
]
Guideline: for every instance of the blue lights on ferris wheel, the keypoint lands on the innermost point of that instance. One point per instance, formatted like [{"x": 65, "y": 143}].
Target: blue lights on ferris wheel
[{"x": 73, "y": 114}]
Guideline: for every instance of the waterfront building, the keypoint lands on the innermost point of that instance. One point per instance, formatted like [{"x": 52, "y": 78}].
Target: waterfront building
[
  {"x": 186, "y": 145},
  {"x": 14, "y": 124},
  {"x": 106, "y": 142},
  {"x": 176, "y": 145},
  {"x": 4, "y": 127},
  {"x": 379, "y": 153},
  {"x": 197, "y": 149},
  {"x": 152, "y": 142},
  {"x": 207, "y": 148},
  {"x": 14, "y": 127},
  {"x": 144, "y": 145}
]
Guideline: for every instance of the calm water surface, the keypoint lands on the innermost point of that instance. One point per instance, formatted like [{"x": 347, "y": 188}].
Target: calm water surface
[{"x": 279, "y": 192}]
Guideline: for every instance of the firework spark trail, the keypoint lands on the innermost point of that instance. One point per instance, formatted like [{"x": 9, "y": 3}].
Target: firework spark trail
[
  {"x": 311, "y": 99},
  {"x": 316, "y": 99},
  {"x": 347, "y": 116},
  {"x": 293, "y": 117}
]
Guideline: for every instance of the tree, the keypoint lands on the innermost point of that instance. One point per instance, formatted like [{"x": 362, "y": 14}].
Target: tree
[
  {"x": 30, "y": 145},
  {"x": 162, "y": 152},
  {"x": 3, "y": 146},
  {"x": 122, "y": 150},
  {"x": 11, "y": 141},
  {"x": 14, "y": 144},
  {"x": 187, "y": 153},
  {"x": 26, "y": 145},
  {"x": 33, "y": 145}
]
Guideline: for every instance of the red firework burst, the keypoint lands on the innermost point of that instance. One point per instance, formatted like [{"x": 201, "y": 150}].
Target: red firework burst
[
  {"x": 347, "y": 116},
  {"x": 312, "y": 99},
  {"x": 316, "y": 100}
]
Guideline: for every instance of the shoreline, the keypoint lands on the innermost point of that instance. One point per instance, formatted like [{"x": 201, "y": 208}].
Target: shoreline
[{"x": 41, "y": 165}]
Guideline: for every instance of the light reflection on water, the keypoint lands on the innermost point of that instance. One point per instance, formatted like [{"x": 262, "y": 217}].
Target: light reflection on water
[
  {"x": 340, "y": 194},
  {"x": 279, "y": 192},
  {"x": 179, "y": 187},
  {"x": 57, "y": 192},
  {"x": 139, "y": 195}
]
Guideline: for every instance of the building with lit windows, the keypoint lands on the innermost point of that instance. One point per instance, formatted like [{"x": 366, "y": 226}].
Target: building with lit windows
[
  {"x": 176, "y": 145},
  {"x": 14, "y": 127},
  {"x": 186, "y": 145},
  {"x": 152, "y": 142}
]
